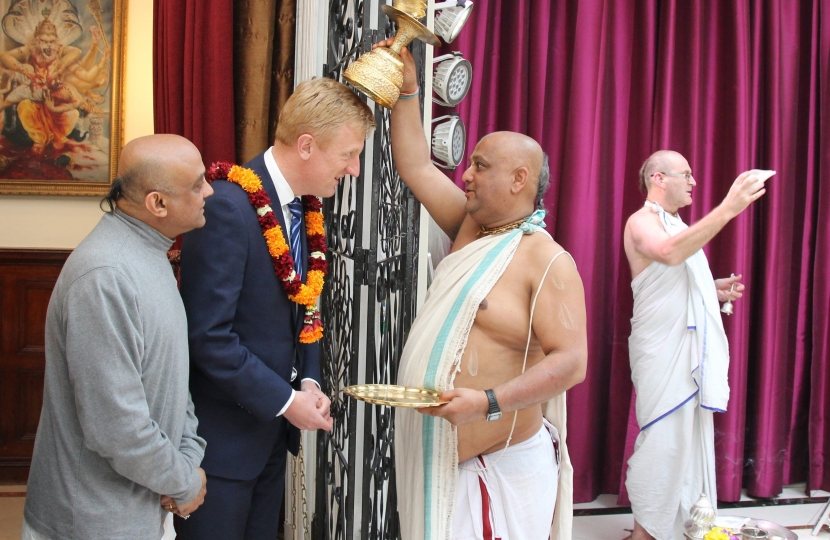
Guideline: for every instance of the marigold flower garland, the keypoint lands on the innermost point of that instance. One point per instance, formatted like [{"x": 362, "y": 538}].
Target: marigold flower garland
[{"x": 299, "y": 292}]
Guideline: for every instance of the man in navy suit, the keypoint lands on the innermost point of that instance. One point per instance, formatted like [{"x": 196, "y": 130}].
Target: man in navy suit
[{"x": 254, "y": 385}]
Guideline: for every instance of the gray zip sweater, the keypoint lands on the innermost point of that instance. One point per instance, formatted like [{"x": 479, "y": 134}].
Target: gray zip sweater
[{"x": 117, "y": 429}]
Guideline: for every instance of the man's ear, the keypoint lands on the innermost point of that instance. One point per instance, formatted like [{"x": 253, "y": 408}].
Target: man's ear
[
  {"x": 156, "y": 204},
  {"x": 520, "y": 179},
  {"x": 305, "y": 145}
]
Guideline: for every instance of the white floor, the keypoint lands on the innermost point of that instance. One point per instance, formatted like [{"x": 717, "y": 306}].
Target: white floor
[{"x": 800, "y": 518}]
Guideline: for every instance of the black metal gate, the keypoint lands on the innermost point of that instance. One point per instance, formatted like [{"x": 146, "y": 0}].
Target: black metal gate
[{"x": 369, "y": 303}]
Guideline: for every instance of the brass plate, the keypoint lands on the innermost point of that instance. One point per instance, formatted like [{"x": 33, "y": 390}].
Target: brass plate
[{"x": 395, "y": 396}]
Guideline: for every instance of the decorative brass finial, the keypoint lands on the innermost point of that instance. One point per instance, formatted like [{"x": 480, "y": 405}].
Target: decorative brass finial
[
  {"x": 417, "y": 9},
  {"x": 379, "y": 73}
]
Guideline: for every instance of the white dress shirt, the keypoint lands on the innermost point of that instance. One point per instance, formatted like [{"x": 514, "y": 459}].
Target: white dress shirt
[{"x": 284, "y": 191}]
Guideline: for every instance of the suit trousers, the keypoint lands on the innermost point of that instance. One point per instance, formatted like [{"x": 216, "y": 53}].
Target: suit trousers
[{"x": 240, "y": 509}]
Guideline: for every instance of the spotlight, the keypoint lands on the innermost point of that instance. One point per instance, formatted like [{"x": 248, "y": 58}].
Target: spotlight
[
  {"x": 450, "y": 18},
  {"x": 451, "y": 79},
  {"x": 449, "y": 140}
]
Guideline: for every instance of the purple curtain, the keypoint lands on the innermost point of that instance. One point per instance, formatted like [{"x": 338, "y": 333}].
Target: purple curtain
[
  {"x": 732, "y": 86},
  {"x": 816, "y": 329}
]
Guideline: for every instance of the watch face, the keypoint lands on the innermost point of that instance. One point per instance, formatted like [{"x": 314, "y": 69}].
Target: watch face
[{"x": 492, "y": 417}]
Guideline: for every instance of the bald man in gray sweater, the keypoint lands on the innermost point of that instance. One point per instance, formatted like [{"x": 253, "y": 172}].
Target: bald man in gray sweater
[{"x": 116, "y": 447}]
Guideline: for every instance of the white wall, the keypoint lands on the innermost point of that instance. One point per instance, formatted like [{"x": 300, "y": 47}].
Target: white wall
[{"x": 62, "y": 222}]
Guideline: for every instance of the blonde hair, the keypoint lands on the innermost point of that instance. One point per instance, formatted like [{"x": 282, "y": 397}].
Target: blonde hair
[{"x": 320, "y": 107}]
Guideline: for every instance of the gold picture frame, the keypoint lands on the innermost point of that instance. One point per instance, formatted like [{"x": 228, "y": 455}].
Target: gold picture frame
[{"x": 61, "y": 86}]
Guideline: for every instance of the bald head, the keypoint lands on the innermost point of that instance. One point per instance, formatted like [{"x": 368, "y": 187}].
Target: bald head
[
  {"x": 161, "y": 181},
  {"x": 659, "y": 161},
  {"x": 519, "y": 150},
  {"x": 146, "y": 163}
]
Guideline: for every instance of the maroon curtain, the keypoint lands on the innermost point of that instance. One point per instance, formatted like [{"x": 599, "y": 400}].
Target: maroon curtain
[
  {"x": 732, "y": 86},
  {"x": 193, "y": 74}
]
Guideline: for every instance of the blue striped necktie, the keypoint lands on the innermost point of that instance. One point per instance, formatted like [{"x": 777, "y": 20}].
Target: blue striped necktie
[{"x": 296, "y": 208}]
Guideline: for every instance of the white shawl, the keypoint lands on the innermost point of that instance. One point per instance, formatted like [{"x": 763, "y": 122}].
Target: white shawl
[{"x": 677, "y": 346}]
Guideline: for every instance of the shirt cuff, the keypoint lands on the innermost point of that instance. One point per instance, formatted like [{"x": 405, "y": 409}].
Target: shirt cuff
[
  {"x": 312, "y": 380},
  {"x": 287, "y": 403},
  {"x": 291, "y": 399}
]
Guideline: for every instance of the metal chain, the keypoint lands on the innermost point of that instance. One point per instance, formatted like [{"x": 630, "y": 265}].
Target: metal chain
[
  {"x": 293, "y": 499},
  {"x": 301, "y": 463}
]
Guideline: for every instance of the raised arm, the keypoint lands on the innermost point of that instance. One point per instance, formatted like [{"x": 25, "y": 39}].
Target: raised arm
[
  {"x": 442, "y": 199},
  {"x": 648, "y": 241},
  {"x": 15, "y": 60}
]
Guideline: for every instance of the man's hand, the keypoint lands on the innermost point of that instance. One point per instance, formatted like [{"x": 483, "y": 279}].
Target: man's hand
[
  {"x": 169, "y": 504},
  {"x": 310, "y": 410},
  {"x": 464, "y": 405},
  {"x": 724, "y": 284},
  {"x": 47, "y": 98},
  {"x": 745, "y": 190},
  {"x": 323, "y": 403},
  {"x": 410, "y": 76},
  {"x": 189, "y": 507}
]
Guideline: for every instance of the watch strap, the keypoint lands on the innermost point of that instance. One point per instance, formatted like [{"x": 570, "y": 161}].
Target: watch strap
[{"x": 494, "y": 405}]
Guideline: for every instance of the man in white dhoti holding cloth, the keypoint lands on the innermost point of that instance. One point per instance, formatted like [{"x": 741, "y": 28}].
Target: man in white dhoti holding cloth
[
  {"x": 678, "y": 350},
  {"x": 502, "y": 335}
]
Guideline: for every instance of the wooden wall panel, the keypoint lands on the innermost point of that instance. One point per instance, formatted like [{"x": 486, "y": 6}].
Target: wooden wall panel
[
  {"x": 27, "y": 278},
  {"x": 32, "y": 300},
  {"x": 31, "y": 400}
]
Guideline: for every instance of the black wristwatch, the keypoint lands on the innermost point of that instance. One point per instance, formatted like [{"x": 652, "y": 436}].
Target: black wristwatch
[{"x": 494, "y": 413}]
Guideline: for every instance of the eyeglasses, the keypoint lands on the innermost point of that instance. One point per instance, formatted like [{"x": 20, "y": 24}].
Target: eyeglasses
[{"x": 688, "y": 176}]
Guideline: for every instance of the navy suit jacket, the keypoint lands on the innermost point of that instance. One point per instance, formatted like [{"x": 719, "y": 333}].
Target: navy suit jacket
[{"x": 243, "y": 332}]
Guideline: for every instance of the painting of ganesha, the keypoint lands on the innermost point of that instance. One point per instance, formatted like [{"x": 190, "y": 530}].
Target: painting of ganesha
[{"x": 58, "y": 90}]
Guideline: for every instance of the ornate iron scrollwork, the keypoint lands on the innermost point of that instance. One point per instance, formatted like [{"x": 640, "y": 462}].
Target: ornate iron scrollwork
[
  {"x": 373, "y": 252},
  {"x": 347, "y": 19},
  {"x": 336, "y": 451}
]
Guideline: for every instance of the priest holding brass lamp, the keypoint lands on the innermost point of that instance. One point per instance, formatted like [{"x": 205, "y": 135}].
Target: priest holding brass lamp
[{"x": 486, "y": 456}]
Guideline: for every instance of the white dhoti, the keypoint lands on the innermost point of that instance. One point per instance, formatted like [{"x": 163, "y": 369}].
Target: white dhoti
[
  {"x": 666, "y": 472},
  {"x": 426, "y": 456},
  {"x": 679, "y": 362},
  {"x": 509, "y": 495}
]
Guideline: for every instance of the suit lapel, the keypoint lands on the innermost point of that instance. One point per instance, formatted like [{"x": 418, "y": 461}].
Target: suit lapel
[{"x": 258, "y": 166}]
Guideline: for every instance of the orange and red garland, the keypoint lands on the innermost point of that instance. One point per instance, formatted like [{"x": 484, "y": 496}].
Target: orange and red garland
[{"x": 299, "y": 292}]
